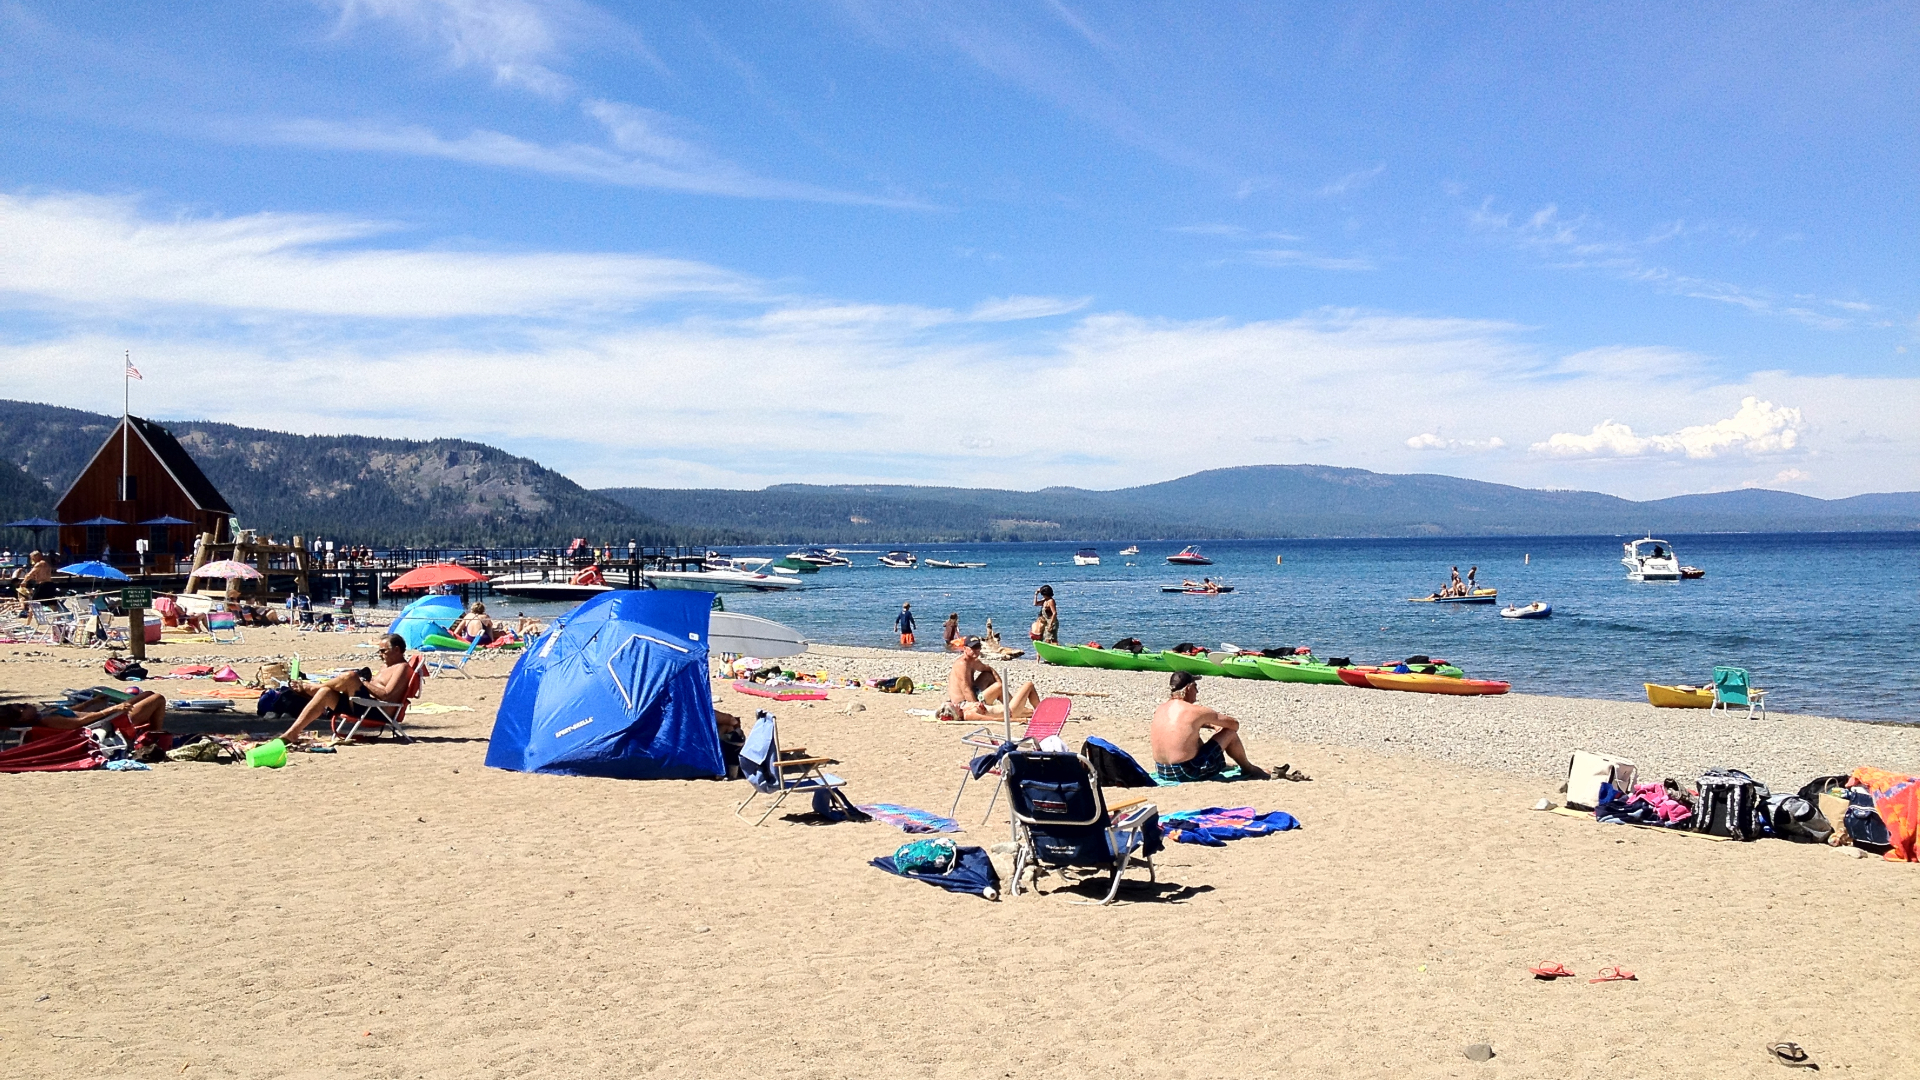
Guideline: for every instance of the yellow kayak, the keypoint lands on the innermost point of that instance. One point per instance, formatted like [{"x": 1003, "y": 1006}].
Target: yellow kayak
[{"x": 1679, "y": 697}]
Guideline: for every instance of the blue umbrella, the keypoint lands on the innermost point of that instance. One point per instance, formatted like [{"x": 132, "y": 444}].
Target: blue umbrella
[
  {"x": 33, "y": 523},
  {"x": 94, "y": 568},
  {"x": 100, "y": 521},
  {"x": 165, "y": 519}
]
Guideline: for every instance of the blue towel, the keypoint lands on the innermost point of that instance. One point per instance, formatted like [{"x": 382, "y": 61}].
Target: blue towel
[
  {"x": 972, "y": 873},
  {"x": 1216, "y": 825},
  {"x": 909, "y": 820}
]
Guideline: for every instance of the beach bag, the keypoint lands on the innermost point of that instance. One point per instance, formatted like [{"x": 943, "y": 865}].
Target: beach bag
[
  {"x": 935, "y": 856},
  {"x": 123, "y": 669},
  {"x": 1797, "y": 818},
  {"x": 1864, "y": 827},
  {"x": 899, "y": 684},
  {"x": 1732, "y": 805},
  {"x": 1593, "y": 779}
]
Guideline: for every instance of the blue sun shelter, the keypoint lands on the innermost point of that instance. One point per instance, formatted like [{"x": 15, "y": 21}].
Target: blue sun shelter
[
  {"x": 616, "y": 687},
  {"x": 427, "y": 615}
]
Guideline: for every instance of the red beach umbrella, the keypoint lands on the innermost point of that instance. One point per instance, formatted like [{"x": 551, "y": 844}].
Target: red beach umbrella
[{"x": 426, "y": 577}]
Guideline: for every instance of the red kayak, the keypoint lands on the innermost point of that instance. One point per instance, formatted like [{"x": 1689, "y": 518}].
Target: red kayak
[{"x": 1355, "y": 676}]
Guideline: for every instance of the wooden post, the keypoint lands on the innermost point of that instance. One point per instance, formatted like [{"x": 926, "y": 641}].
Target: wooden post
[
  {"x": 301, "y": 566},
  {"x": 137, "y": 632},
  {"x": 202, "y": 555}
]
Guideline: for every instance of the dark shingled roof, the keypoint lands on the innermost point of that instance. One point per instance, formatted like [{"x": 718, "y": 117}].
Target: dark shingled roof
[{"x": 181, "y": 465}]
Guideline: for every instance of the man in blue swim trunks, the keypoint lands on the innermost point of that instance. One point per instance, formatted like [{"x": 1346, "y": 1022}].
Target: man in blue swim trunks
[{"x": 1192, "y": 742}]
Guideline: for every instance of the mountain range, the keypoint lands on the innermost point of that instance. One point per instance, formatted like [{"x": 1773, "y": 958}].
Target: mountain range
[{"x": 454, "y": 492}]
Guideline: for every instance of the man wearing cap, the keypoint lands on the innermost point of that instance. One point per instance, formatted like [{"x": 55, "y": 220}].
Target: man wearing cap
[
  {"x": 903, "y": 622},
  {"x": 1192, "y": 742},
  {"x": 974, "y": 689}
]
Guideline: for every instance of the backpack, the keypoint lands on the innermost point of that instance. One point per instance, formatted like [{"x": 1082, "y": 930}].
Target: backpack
[
  {"x": 121, "y": 668},
  {"x": 900, "y": 684},
  {"x": 1732, "y": 804},
  {"x": 1797, "y": 818}
]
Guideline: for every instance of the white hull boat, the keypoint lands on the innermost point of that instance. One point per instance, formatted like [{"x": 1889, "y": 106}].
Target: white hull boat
[
  {"x": 1650, "y": 560},
  {"x": 1086, "y": 557}
]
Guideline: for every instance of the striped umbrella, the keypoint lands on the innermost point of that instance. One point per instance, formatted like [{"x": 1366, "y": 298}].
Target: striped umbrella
[{"x": 227, "y": 568}]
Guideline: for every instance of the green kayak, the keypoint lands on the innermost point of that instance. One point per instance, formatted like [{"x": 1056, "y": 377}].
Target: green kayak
[
  {"x": 1110, "y": 659},
  {"x": 1239, "y": 667},
  {"x": 1152, "y": 661},
  {"x": 1286, "y": 671},
  {"x": 1198, "y": 665},
  {"x": 1063, "y": 655}
]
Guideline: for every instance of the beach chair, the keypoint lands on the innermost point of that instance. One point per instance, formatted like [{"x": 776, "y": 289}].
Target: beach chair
[
  {"x": 1061, "y": 819},
  {"x": 1731, "y": 691},
  {"x": 373, "y": 716},
  {"x": 465, "y": 656},
  {"x": 770, "y": 772},
  {"x": 1049, "y": 719},
  {"x": 223, "y": 623}
]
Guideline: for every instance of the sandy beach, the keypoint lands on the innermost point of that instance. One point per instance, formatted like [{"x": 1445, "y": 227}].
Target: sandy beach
[{"x": 403, "y": 911}]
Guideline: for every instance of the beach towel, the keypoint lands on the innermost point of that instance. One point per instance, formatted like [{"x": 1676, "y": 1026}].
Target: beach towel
[
  {"x": 909, "y": 820},
  {"x": 972, "y": 873},
  {"x": 1216, "y": 825},
  {"x": 66, "y": 752},
  {"x": 1113, "y": 766},
  {"x": 778, "y": 693},
  {"x": 1896, "y": 798}
]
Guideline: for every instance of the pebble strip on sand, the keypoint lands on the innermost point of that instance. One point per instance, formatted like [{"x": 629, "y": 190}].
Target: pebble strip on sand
[{"x": 1526, "y": 734}]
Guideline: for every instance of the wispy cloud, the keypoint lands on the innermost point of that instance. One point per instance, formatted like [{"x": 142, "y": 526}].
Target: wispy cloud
[
  {"x": 520, "y": 43},
  {"x": 1290, "y": 257},
  {"x": 1759, "y": 427},
  {"x": 1016, "y": 308},
  {"x": 645, "y": 154},
  {"x": 1356, "y": 179},
  {"x": 1430, "y": 441}
]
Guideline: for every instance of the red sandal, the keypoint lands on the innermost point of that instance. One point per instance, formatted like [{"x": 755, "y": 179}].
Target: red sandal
[
  {"x": 1614, "y": 974},
  {"x": 1550, "y": 972}
]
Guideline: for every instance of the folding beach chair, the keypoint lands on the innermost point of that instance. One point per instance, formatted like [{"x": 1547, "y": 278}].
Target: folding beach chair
[
  {"x": 1049, "y": 719},
  {"x": 1731, "y": 691},
  {"x": 223, "y": 622},
  {"x": 373, "y": 716},
  {"x": 1061, "y": 819},
  {"x": 465, "y": 656},
  {"x": 771, "y": 772}
]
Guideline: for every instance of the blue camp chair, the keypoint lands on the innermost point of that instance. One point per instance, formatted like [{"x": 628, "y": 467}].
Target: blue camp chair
[
  {"x": 1062, "y": 820},
  {"x": 1731, "y": 691},
  {"x": 770, "y": 773},
  {"x": 428, "y": 652}
]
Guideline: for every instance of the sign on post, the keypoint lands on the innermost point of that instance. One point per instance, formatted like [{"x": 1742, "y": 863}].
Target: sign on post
[
  {"x": 136, "y": 599},
  {"x": 136, "y": 596}
]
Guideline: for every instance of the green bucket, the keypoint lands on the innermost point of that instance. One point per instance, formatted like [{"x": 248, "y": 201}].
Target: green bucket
[{"x": 268, "y": 755}]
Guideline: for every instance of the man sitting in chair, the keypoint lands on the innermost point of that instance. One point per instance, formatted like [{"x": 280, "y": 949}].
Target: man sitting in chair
[
  {"x": 974, "y": 690},
  {"x": 388, "y": 684},
  {"x": 1181, "y": 750}
]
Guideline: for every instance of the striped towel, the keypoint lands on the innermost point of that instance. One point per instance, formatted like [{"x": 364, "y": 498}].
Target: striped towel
[{"x": 907, "y": 819}]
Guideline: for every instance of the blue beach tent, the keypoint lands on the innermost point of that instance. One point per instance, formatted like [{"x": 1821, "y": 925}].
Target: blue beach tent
[
  {"x": 616, "y": 687},
  {"x": 427, "y": 615}
]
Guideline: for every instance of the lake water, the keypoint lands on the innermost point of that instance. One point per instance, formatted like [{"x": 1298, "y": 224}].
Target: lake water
[{"x": 1828, "y": 622}]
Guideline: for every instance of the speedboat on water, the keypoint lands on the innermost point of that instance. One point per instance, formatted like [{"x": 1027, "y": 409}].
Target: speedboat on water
[
  {"x": 1535, "y": 610},
  {"x": 1650, "y": 560},
  {"x": 1086, "y": 557},
  {"x": 1130, "y": 549},
  {"x": 944, "y": 564},
  {"x": 820, "y": 557},
  {"x": 719, "y": 581},
  {"x": 900, "y": 560},
  {"x": 1189, "y": 556},
  {"x": 1692, "y": 573}
]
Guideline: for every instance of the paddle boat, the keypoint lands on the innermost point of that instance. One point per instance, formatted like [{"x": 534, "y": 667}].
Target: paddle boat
[
  {"x": 1477, "y": 596},
  {"x": 1679, "y": 697},
  {"x": 1657, "y": 564},
  {"x": 900, "y": 560},
  {"x": 943, "y": 564},
  {"x": 1086, "y": 557},
  {"x": 1189, "y": 556},
  {"x": 1535, "y": 610}
]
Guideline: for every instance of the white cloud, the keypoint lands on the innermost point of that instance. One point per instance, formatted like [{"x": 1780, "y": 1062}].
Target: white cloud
[
  {"x": 1285, "y": 257},
  {"x": 101, "y": 254},
  {"x": 1757, "y": 428},
  {"x": 1429, "y": 441},
  {"x": 1015, "y": 308},
  {"x": 1784, "y": 476},
  {"x": 1357, "y": 178},
  {"x": 516, "y": 41}
]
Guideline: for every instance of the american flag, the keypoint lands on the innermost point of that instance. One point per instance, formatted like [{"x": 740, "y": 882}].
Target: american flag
[{"x": 133, "y": 372}]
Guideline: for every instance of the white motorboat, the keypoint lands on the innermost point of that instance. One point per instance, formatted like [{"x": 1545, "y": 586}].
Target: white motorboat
[
  {"x": 719, "y": 580},
  {"x": 946, "y": 564},
  {"x": 820, "y": 557},
  {"x": 545, "y": 584},
  {"x": 1656, "y": 562},
  {"x": 1086, "y": 557},
  {"x": 1130, "y": 549},
  {"x": 1189, "y": 556},
  {"x": 900, "y": 560}
]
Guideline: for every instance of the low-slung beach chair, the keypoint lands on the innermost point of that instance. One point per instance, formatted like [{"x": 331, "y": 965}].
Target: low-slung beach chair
[
  {"x": 1062, "y": 820},
  {"x": 375, "y": 716},
  {"x": 770, "y": 772},
  {"x": 465, "y": 656},
  {"x": 1732, "y": 691},
  {"x": 1049, "y": 719},
  {"x": 223, "y": 623}
]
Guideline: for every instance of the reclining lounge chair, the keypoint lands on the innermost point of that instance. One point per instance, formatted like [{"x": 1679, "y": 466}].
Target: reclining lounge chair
[{"x": 1062, "y": 820}]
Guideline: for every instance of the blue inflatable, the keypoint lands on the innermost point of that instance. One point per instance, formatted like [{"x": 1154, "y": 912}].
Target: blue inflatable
[
  {"x": 427, "y": 615},
  {"x": 616, "y": 687}
]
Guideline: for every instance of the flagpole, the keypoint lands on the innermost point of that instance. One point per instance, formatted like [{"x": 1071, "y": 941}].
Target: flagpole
[{"x": 126, "y": 410}]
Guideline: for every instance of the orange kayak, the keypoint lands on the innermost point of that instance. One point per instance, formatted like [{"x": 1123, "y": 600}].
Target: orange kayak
[{"x": 1435, "y": 684}]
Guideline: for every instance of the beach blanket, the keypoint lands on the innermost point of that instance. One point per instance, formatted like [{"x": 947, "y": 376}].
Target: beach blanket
[
  {"x": 972, "y": 873},
  {"x": 779, "y": 693},
  {"x": 1216, "y": 825},
  {"x": 1896, "y": 797},
  {"x": 909, "y": 820}
]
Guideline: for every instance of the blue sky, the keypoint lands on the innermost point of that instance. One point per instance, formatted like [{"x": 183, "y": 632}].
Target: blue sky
[{"x": 1645, "y": 249}]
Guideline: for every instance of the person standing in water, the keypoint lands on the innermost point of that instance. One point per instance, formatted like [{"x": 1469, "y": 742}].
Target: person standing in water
[
  {"x": 903, "y": 622},
  {"x": 1046, "y": 626}
]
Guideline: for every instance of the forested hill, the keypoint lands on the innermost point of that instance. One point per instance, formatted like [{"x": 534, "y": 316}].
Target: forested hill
[
  {"x": 357, "y": 489},
  {"x": 450, "y": 491}
]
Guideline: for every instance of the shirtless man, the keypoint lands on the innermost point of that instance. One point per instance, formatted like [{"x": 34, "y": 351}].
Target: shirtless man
[
  {"x": 37, "y": 582},
  {"x": 387, "y": 684},
  {"x": 1180, "y": 752},
  {"x": 974, "y": 689}
]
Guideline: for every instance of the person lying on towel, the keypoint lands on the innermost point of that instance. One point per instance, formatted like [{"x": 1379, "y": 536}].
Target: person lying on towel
[
  {"x": 147, "y": 712},
  {"x": 974, "y": 689},
  {"x": 388, "y": 684},
  {"x": 1193, "y": 742}
]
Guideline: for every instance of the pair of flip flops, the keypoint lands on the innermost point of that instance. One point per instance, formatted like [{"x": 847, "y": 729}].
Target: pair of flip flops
[
  {"x": 1550, "y": 972},
  {"x": 1791, "y": 1055}
]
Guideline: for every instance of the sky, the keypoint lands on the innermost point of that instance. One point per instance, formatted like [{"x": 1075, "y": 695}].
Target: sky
[{"x": 1646, "y": 249}]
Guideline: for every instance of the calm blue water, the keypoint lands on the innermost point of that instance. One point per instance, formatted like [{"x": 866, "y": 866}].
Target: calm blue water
[{"x": 1829, "y": 622}]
